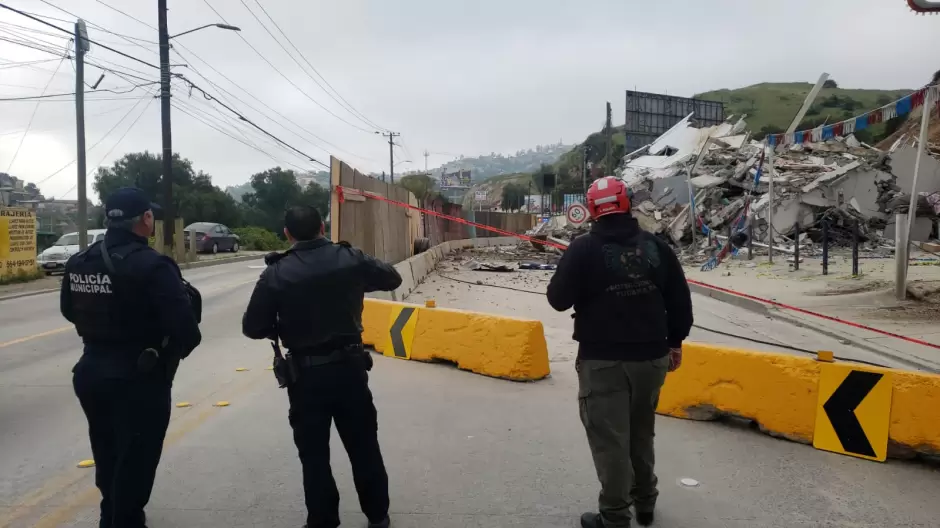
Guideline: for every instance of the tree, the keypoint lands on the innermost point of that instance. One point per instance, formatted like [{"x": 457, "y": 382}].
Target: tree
[
  {"x": 831, "y": 83},
  {"x": 419, "y": 185},
  {"x": 275, "y": 190},
  {"x": 513, "y": 197},
  {"x": 195, "y": 199}
]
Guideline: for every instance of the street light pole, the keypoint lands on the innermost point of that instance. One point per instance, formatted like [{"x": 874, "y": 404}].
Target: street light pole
[{"x": 169, "y": 215}]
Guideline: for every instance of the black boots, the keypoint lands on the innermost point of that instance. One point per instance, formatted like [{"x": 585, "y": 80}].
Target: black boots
[
  {"x": 592, "y": 520},
  {"x": 384, "y": 523}
]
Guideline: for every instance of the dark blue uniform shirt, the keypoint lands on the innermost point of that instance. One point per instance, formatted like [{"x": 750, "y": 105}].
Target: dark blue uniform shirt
[{"x": 144, "y": 305}]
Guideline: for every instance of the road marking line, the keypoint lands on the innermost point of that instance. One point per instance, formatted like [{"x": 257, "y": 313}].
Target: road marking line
[
  {"x": 88, "y": 496},
  {"x": 36, "y": 336}
]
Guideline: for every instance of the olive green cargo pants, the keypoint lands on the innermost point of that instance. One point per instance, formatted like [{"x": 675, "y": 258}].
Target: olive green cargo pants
[{"x": 618, "y": 400}]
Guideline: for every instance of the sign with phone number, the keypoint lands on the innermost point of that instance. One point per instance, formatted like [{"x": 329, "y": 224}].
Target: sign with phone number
[{"x": 17, "y": 241}]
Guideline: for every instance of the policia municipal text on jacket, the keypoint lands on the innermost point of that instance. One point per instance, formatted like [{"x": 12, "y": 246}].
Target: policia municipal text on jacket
[
  {"x": 137, "y": 319},
  {"x": 632, "y": 310},
  {"x": 310, "y": 298}
]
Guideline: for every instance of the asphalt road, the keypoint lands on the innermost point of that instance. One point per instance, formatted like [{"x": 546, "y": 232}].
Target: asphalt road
[{"x": 462, "y": 450}]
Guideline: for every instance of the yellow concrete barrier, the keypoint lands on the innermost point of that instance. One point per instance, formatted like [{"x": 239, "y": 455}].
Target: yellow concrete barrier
[
  {"x": 492, "y": 345},
  {"x": 781, "y": 393}
]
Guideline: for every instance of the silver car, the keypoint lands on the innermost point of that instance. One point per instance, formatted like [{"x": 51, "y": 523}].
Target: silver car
[{"x": 53, "y": 259}]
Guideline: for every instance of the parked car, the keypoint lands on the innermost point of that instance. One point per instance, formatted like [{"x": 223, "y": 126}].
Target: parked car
[
  {"x": 54, "y": 258},
  {"x": 211, "y": 237}
]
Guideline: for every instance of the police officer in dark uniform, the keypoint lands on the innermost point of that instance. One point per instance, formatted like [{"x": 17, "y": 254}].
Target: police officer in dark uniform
[
  {"x": 137, "y": 318},
  {"x": 310, "y": 297}
]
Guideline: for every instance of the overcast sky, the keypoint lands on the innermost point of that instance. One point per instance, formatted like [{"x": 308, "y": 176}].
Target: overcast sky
[{"x": 454, "y": 76}]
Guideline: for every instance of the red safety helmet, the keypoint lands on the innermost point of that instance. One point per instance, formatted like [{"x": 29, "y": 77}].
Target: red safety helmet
[{"x": 608, "y": 195}]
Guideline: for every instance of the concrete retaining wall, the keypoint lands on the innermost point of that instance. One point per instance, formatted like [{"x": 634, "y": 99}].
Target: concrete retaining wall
[
  {"x": 414, "y": 270},
  {"x": 781, "y": 392}
]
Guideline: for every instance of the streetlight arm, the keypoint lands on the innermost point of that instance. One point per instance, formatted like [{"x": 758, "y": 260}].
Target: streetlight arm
[{"x": 220, "y": 26}]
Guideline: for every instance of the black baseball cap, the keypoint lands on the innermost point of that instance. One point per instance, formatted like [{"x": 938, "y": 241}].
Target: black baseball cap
[{"x": 128, "y": 202}]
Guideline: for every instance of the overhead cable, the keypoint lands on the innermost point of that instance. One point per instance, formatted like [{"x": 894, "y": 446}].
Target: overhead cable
[
  {"x": 106, "y": 134},
  {"x": 118, "y": 142},
  {"x": 192, "y": 85},
  {"x": 340, "y": 101},
  {"x": 285, "y": 77},
  {"x": 32, "y": 117}
]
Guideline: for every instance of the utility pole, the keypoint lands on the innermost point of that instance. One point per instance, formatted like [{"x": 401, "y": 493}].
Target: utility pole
[
  {"x": 391, "y": 153},
  {"x": 426, "y": 154},
  {"x": 81, "y": 47},
  {"x": 609, "y": 127},
  {"x": 169, "y": 215}
]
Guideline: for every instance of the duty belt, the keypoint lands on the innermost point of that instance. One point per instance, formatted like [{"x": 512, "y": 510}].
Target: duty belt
[{"x": 318, "y": 361}]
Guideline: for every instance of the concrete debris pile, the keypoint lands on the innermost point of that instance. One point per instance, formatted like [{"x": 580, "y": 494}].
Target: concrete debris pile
[{"x": 847, "y": 183}]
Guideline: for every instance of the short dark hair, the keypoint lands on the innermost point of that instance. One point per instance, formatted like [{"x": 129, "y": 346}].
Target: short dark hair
[{"x": 303, "y": 222}]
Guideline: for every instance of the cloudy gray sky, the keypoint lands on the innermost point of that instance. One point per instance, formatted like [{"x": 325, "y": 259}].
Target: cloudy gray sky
[{"x": 453, "y": 76}]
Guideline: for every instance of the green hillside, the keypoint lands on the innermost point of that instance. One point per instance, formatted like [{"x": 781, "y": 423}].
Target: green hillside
[{"x": 771, "y": 106}]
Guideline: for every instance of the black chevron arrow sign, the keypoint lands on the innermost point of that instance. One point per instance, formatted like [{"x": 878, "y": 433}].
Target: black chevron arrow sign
[
  {"x": 840, "y": 408},
  {"x": 398, "y": 343}
]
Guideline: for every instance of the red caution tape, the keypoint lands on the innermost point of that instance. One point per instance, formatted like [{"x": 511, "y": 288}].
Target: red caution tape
[
  {"x": 816, "y": 314},
  {"x": 345, "y": 191}
]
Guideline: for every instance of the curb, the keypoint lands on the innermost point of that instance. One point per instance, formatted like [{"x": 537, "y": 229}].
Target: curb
[
  {"x": 763, "y": 309},
  {"x": 26, "y": 294},
  {"x": 185, "y": 266},
  {"x": 217, "y": 262}
]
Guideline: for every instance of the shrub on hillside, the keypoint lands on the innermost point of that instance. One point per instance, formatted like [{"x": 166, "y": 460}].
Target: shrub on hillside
[{"x": 259, "y": 239}]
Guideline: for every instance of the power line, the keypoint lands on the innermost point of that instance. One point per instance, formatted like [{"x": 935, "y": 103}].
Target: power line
[
  {"x": 127, "y": 38},
  {"x": 223, "y": 132},
  {"x": 192, "y": 85},
  {"x": 250, "y": 122},
  {"x": 279, "y": 72},
  {"x": 72, "y": 94},
  {"x": 125, "y": 14},
  {"x": 99, "y": 114},
  {"x": 106, "y": 134},
  {"x": 219, "y": 73},
  {"x": 100, "y": 45},
  {"x": 265, "y": 105},
  {"x": 108, "y": 153},
  {"x": 344, "y": 104},
  {"x": 31, "y": 117},
  {"x": 8, "y": 66}
]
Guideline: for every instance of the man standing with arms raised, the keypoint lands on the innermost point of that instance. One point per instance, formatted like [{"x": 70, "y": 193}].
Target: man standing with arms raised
[{"x": 310, "y": 298}]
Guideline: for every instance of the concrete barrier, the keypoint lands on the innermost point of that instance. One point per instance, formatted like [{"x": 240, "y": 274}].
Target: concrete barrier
[
  {"x": 781, "y": 393},
  {"x": 415, "y": 269},
  {"x": 491, "y": 345}
]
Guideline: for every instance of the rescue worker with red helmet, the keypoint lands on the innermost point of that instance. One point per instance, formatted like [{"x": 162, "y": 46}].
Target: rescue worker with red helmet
[{"x": 632, "y": 311}]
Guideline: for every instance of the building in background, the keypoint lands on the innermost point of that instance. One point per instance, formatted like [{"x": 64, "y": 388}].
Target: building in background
[{"x": 650, "y": 115}]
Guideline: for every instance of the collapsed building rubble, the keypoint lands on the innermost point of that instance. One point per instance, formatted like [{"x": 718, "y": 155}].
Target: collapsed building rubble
[{"x": 851, "y": 186}]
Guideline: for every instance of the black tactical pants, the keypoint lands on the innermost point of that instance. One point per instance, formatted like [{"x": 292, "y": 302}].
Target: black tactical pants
[
  {"x": 618, "y": 401},
  {"x": 321, "y": 395},
  {"x": 127, "y": 422}
]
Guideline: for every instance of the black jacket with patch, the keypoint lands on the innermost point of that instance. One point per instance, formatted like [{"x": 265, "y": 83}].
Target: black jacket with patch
[
  {"x": 628, "y": 290},
  {"x": 311, "y": 296}
]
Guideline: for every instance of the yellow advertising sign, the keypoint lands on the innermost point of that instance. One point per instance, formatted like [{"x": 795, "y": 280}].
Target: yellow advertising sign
[
  {"x": 854, "y": 411},
  {"x": 17, "y": 240}
]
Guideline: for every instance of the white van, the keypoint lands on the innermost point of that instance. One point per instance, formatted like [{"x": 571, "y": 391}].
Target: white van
[{"x": 54, "y": 258}]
